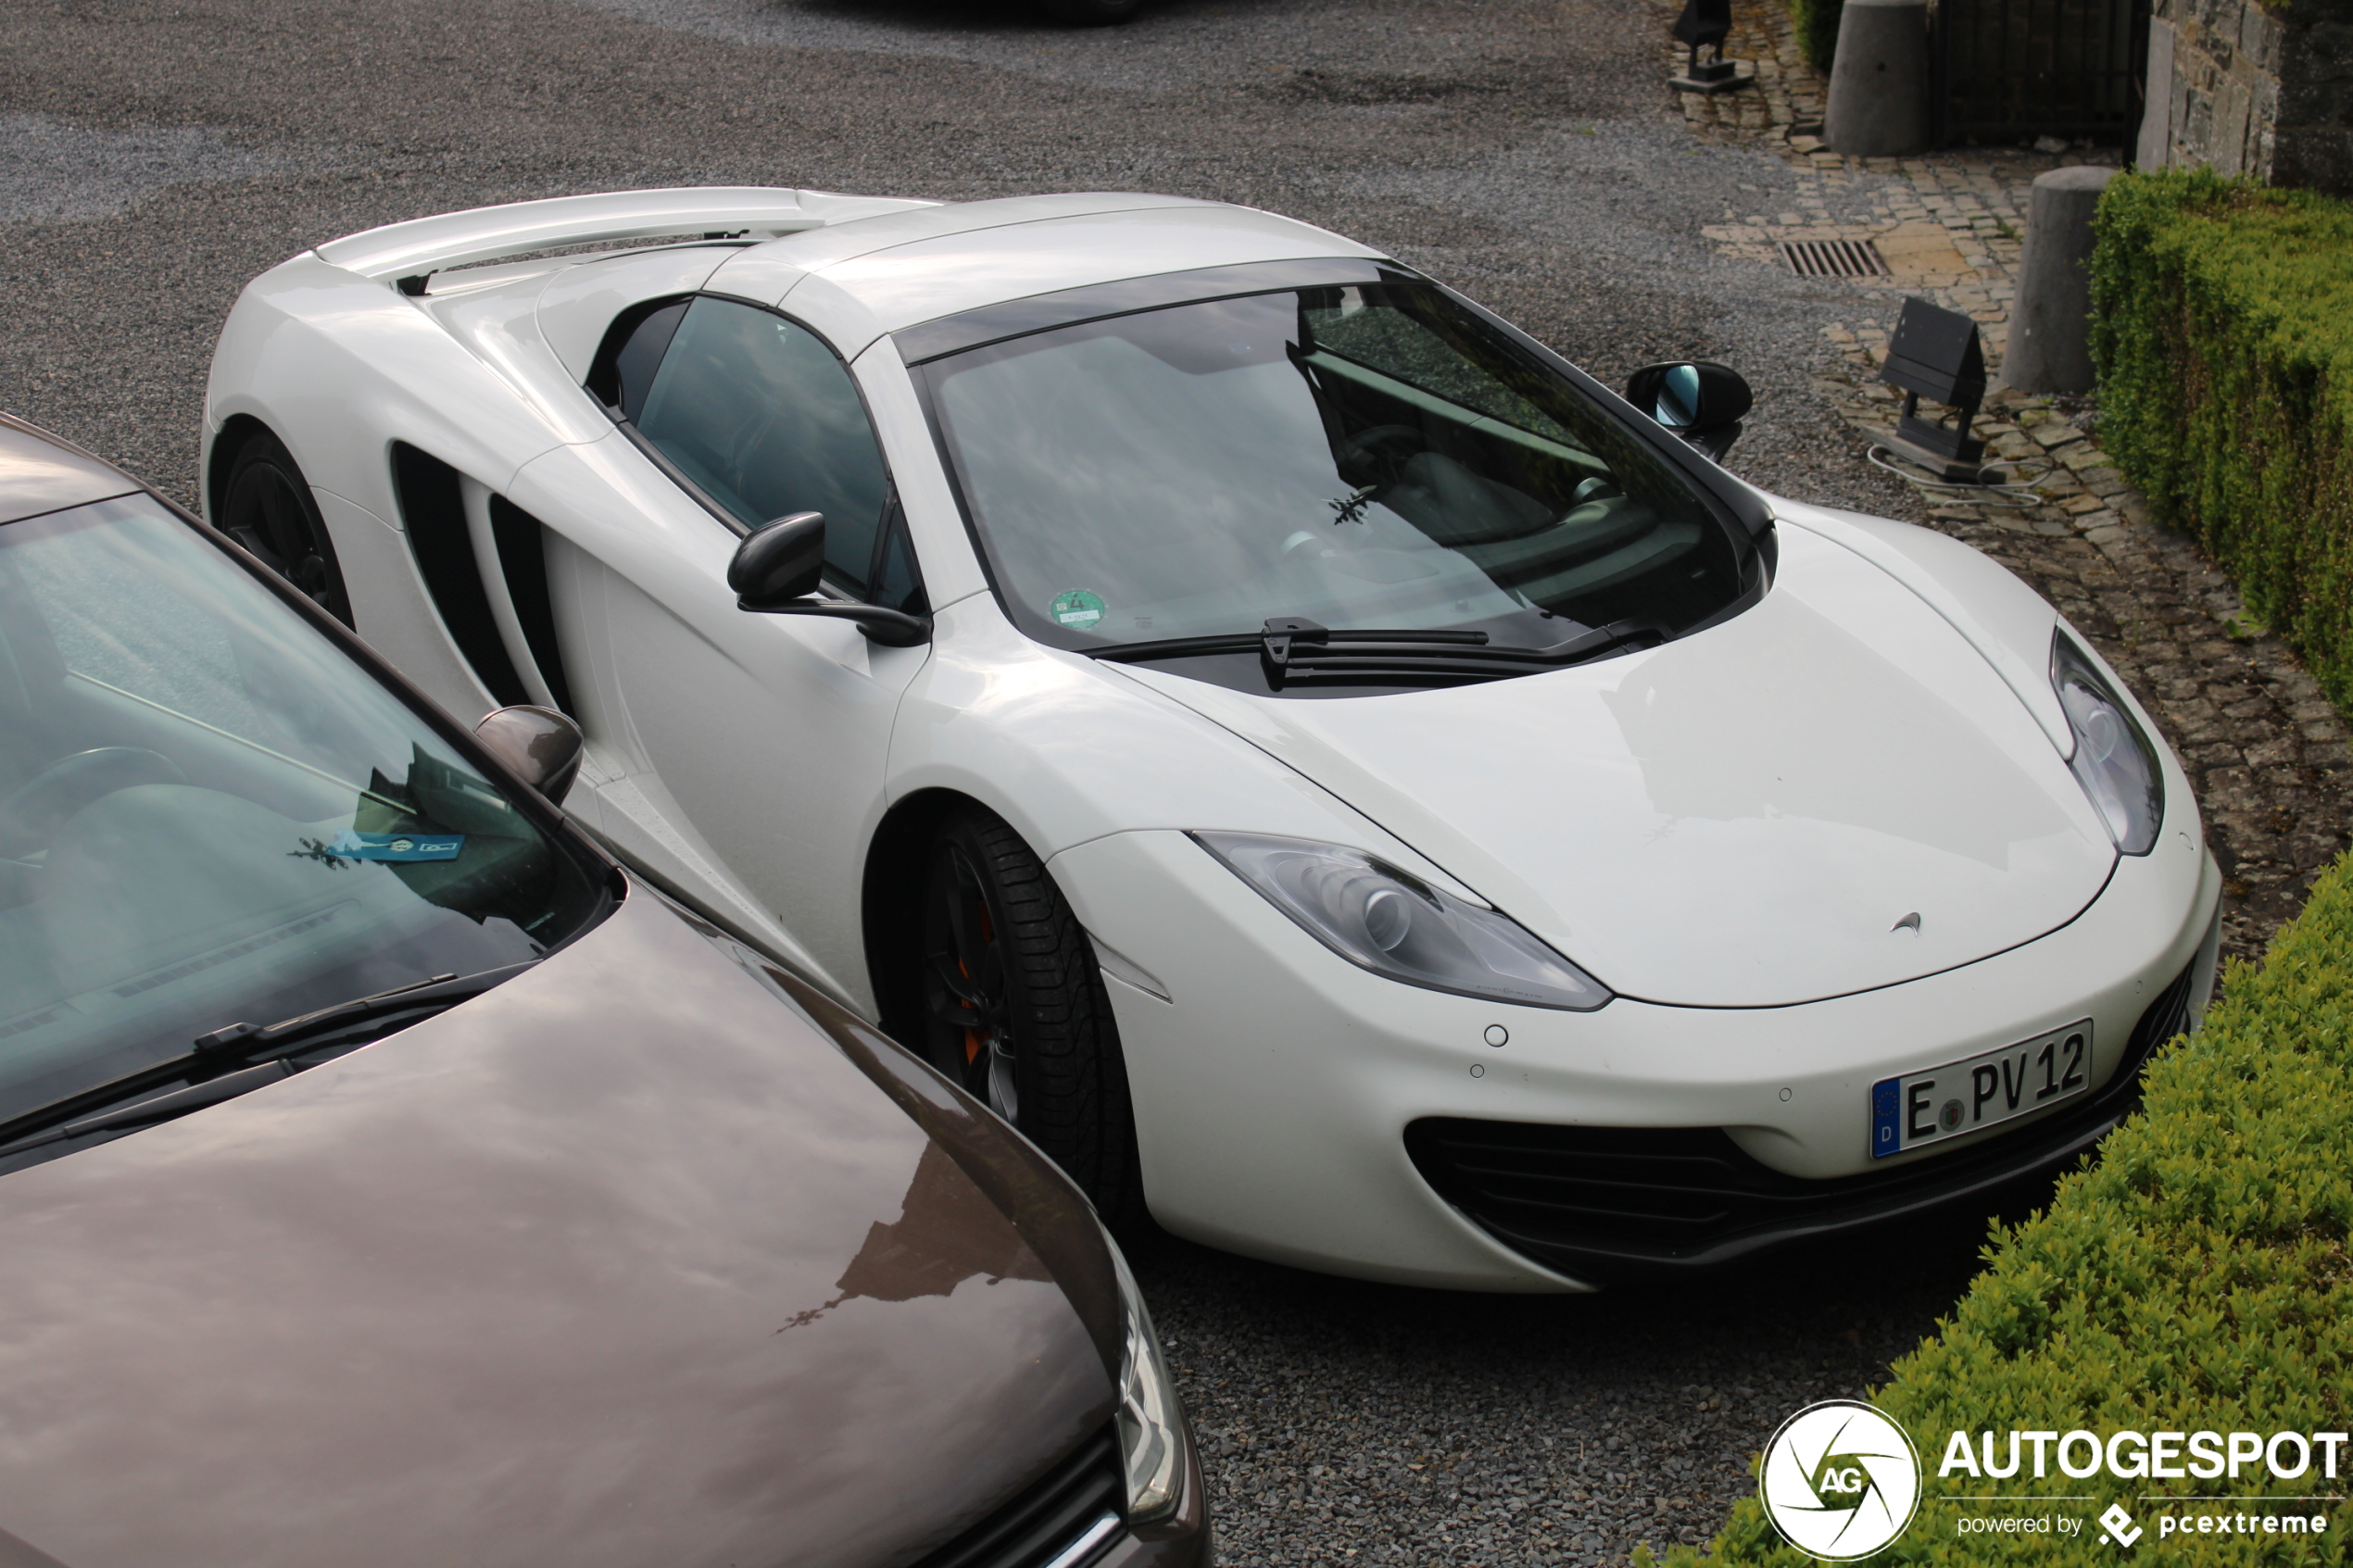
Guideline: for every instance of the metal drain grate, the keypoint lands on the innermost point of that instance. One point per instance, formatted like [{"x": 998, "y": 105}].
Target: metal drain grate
[{"x": 1835, "y": 258}]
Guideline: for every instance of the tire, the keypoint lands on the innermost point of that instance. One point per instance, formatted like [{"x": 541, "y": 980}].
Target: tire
[
  {"x": 266, "y": 505},
  {"x": 1008, "y": 1003},
  {"x": 1092, "y": 12}
]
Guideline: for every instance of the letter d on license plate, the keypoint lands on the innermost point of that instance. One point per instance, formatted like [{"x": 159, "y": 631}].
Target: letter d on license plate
[{"x": 1945, "y": 1102}]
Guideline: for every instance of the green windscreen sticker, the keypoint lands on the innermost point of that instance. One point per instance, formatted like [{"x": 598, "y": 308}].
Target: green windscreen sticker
[{"x": 1077, "y": 610}]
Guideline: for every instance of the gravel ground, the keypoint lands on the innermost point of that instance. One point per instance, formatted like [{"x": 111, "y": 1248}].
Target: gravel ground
[{"x": 153, "y": 157}]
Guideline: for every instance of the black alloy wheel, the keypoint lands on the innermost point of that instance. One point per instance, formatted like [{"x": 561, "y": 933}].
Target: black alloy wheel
[
  {"x": 1012, "y": 1007},
  {"x": 266, "y": 505}
]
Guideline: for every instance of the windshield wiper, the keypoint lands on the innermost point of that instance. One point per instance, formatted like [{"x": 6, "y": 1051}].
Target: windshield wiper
[
  {"x": 1291, "y": 648},
  {"x": 1278, "y": 634},
  {"x": 232, "y": 1060},
  {"x": 157, "y": 1107}
]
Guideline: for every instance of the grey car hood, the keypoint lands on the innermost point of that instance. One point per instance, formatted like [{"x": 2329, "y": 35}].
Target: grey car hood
[{"x": 624, "y": 1262}]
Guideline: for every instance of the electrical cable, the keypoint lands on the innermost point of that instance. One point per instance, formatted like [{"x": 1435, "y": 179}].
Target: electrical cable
[{"x": 2020, "y": 492}]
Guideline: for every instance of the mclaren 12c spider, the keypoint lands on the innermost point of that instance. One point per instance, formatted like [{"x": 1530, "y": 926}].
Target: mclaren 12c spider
[{"x": 1334, "y": 775}]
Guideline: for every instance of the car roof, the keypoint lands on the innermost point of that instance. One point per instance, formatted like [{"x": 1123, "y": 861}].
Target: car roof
[
  {"x": 41, "y": 474},
  {"x": 911, "y": 267}
]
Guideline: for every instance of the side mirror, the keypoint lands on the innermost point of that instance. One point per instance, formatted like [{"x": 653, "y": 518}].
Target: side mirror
[
  {"x": 1700, "y": 401},
  {"x": 539, "y": 742},
  {"x": 777, "y": 567},
  {"x": 779, "y": 561}
]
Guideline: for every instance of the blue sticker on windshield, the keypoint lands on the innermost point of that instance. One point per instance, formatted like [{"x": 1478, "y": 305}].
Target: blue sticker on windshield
[{"x": 397, "y": 845}]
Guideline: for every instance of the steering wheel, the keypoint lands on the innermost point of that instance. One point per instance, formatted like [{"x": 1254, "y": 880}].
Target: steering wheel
[
  {"x": 1380, "y": 453},
  {"x": 30, "y": 817}
]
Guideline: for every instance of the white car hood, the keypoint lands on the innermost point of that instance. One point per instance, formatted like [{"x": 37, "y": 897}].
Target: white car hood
[{"x": 1741, "y": 819}]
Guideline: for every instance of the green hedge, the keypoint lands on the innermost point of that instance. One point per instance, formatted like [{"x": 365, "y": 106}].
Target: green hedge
[
  {"x": 2222, "y": 328},
  {"x": 2195, "y": 1277},
  {"x": 1816, "y": 29}
]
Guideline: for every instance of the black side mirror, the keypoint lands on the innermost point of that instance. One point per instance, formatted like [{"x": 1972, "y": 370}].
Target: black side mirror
[
  {"x": 1701, "y": 401},
  {"x": 776, "y": 569},
  {"x": 539, "y": 742},
  {"x": 779, "y": 561}
]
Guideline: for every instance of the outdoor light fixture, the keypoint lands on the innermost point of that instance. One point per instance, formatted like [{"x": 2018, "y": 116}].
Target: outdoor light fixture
[
  {"x": 1935, "y": 355},
  {"x": 1705, "y": 23}
]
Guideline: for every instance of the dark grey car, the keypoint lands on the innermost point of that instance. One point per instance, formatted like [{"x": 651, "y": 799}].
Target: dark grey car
[{"x": 386, "y": 1176}]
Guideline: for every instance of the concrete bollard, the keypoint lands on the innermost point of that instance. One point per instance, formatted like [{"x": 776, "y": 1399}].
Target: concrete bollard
[
  {"x": 1878, "y": 79},
  {"x": 2049, "y": 347}
]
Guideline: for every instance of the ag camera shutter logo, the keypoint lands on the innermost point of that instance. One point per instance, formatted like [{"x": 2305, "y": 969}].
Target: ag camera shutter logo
[{"x": 1840, "y": 1480}]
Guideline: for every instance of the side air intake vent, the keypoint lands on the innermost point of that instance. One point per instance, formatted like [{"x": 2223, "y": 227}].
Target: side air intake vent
[
  {"x": 522, "y": 558},
  {"x": 432, "y": 510}
]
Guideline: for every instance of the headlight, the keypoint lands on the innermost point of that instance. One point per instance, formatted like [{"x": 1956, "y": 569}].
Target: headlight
[
  {"x": 2113, "y": 760},
  {"x": 1376, "y": 916},
  {"x": 1151, "y": 1432}
]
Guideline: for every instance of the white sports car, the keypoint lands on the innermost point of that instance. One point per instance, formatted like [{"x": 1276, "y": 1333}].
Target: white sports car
[{"x": 1329, "y": 772}]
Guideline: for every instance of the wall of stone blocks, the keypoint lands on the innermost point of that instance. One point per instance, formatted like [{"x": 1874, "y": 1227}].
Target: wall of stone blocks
[{"x": 2244, "y": 89}]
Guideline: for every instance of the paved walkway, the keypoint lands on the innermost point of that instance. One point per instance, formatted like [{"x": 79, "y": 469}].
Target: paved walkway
[{"x": 2266, "y": 750}]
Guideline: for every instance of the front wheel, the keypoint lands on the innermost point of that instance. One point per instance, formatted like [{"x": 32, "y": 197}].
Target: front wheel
[
  {"x": 266, "y": 507},
  {"x": 1012, "y": 1007}
]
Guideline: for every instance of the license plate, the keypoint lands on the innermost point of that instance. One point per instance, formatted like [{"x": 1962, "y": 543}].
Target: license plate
[{"x": 1945, "y": 1102}]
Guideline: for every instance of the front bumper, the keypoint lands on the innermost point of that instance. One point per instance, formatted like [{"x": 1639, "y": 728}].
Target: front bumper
[
  {"x": 1620, "y": 1205},
  {"x": 1276, "y": 1088}
]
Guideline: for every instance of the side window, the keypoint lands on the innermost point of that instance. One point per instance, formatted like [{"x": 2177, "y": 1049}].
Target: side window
[{"x": 759, "y": 413}]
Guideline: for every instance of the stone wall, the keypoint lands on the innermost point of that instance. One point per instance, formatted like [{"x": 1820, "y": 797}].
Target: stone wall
[{"x": 2250, "y": 91}]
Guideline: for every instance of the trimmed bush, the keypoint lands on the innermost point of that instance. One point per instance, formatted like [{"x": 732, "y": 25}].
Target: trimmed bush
[
  {"x": 2195, "y": 1277},
  {"x": 1816, "y": 29},
  {"x": 2222, "y": 330}
]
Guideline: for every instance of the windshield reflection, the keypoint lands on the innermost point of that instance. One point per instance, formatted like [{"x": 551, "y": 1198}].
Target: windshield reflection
[
  {"x": 1360, "y": 457},
  {"x": 211, "y": 815}
]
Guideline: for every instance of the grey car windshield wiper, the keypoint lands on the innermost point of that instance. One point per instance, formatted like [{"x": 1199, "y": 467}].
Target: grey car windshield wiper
[
  {"x": 1277, "y": 635},
  {"x": 235, "y": 1060},
  {"x": 1294, "y": 649}
]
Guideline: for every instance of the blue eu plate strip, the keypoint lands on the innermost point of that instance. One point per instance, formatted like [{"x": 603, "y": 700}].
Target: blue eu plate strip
[
  {"x": 1886, "y": 1131},
  {"x": 397, "y": 845}
]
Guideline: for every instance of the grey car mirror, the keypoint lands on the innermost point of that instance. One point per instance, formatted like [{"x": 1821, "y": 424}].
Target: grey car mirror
[
  {"x": 539, "y": 744},
  {"x": 776, "y": 569},
  {"x": 1699, "y": 400},
  {"x": 778, "y": 561}
]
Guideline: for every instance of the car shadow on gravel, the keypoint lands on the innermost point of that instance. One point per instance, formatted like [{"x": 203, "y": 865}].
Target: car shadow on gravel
[
  {"x": 1802, "y": 1291},
  {"x": 1006, "y": 18},
  {"x": 1346, "y": 1421}
]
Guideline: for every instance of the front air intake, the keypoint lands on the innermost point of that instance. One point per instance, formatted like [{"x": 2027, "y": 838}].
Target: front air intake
[{"x": 1611, "y": 1205}]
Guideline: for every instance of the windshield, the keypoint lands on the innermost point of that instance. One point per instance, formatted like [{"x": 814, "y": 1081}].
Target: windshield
[
  {"x": 1359, "y": 457},
  {"x": 211, "y": 815}
]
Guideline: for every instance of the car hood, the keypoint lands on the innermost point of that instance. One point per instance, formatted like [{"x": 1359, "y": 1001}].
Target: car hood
[
  {"x": 1743, "y": 817},
  {"x": 624, "y": 1262}
]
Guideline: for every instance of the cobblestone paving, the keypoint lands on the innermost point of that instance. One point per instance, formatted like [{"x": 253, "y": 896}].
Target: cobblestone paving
[{"x": 2265, "y": 749}]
